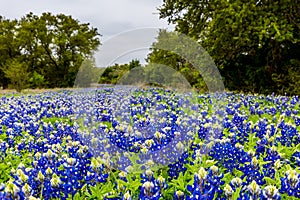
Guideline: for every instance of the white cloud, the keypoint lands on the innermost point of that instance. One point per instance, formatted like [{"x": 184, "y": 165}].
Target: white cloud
[{"x": 109, "y": 16}]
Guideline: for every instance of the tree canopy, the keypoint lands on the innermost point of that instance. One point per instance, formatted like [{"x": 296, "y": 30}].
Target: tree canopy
[
  {"x": 113, "y": 74},
  {"x": 52, "y": 47},
  {"x": 254, "y": 43}
]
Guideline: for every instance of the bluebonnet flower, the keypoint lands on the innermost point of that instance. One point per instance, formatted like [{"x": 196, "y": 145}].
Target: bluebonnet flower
[
  {"x": 160, "y": 184},
  {"x": 253, "y": 191},
  {"x": 127, "y": 196},
  {"x": 291, "y": 183},
  {"x": 229, "y": 155},
  {"x": 148, "y": 191},
  {"x": 147, "y": 176},
  {"x": 178, "y": 195},
  {"x": 206, "y": 184},
  {"x": 272, "y": 157},
  {"x": 65, "y": 154},
  {"x": 270, "y": 192},
  {"x": 178, "y": 166},
  {"x": 228, "y": 191},
  {"x": 296, "y": 158},
  {"x": 252, "y": 172}
]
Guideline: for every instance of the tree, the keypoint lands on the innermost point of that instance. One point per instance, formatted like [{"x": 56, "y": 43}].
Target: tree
[
  {"x": 113, "y": 74},
  {"x": 178, "y": 63},
  {"x": 88, "y": 73},
  {"x": 17, "y": 73},
  {"x": 134, "y": 63},
  {"x": 59, "y": 45},
  {"x": 37, "y": 80},
  {"x": 53, "y": 46},
  {"x": 8, "y": 46},
  {"x": 250, "y": 41}
]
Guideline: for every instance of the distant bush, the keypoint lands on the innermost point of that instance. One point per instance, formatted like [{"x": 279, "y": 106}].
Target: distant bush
[
  {"x": 37, "y": 80},
  {"x": 18, "y": 74}
]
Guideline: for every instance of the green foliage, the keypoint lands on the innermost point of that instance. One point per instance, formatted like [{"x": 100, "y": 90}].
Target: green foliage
[
  {"x": 290, "y": 82},
  {"x": 134, "y": 63},
  {"x": 53, "y": 120},
  {"x": 17, "y": 73},
  {"x": 52, "y": 46},
  {"x": 114, "y": 186},
  {"x": 115, "y": 73},
  {"x": 99, "y": 191},
  {"x": 236, "y": 194},
  {"x": 182, "y": 69},
  {"x": 88, "y": 73},
  {"x": 252, "y": 43},
  {"x": 8, "y": 47},
  {"x": 181, "y": 182},
  {"x": 11, "y": 161},
  {"x": 37, "y": 80}
]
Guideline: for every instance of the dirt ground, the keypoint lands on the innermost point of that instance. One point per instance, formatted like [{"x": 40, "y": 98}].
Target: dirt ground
[{"x": 32, "y": 91}]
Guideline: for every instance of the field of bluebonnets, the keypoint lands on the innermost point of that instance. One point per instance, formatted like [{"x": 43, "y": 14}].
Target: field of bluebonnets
[{"x": 114, "y": 143}]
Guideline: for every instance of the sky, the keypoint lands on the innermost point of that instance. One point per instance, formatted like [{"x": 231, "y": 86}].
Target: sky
[{"x": 111, "y": 17}]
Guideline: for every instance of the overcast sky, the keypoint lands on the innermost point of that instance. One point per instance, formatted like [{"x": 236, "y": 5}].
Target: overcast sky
[{"x": 111, "y": 17}]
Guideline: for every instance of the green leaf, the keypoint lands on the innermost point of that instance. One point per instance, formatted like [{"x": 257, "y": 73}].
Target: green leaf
[
  {"x": 270, "y": 181},
  {"x": 77, "y": 196},
  {"x": 236, "y": 194}
]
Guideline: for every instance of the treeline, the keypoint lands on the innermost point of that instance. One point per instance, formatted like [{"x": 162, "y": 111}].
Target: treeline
[
  {"x": 255, "y": 44},
  {"x": 44, "y": 51},
  {"x": 113, "y": 74},
  {"x": 150, "y": 74}
]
